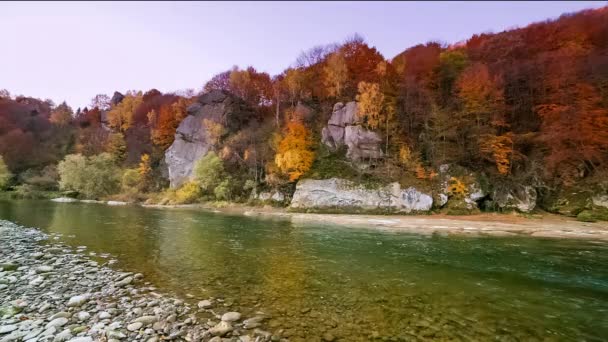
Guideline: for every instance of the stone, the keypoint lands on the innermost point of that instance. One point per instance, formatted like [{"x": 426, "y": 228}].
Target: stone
[
  {"x": 57, "y": 322},
  {"x": 124, "y": 282},
  {"x": 146, "y": 319},
  {"x": 116, "y": 203},
  {"x": 77, "y": 300},
  {"x": 600, "y": 201},
  {"x": 515, "y": 197},
  {"x": 342, "y": 116},
  {"x": 340, "y": 193},
  {"x": 117, "y": 98},
  {"x": 191, "y": 137},
  {"x": 4, "y": 329},
  {"x": 63, "y": 336},
  {"x": 221, "y": 329},
  {"x": 204, "y": 304},
  {"x": 104, "y": 315},
  {"x": 60, "y": 314},
  {"x": 328, "y": 337},
  {"x": 134, "y": 326},
  {"x": 44, "y": 269},
  {"x": 82, "y": 339},
  {"x": 83, "y": 316},
  {"x": 231, "y": 316},
  {"x": 362, "y": 143},
  {"x": 33, "y": 333}
]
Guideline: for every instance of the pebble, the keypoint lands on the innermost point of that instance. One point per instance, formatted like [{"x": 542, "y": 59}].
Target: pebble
[
  {"x": 231, "y": 316},
  {"x": 8, "y": 328},
  {"x": 134, "y": 326},
  {"x": 205, "y": 304},
  {"x": 57, "y": 322}
]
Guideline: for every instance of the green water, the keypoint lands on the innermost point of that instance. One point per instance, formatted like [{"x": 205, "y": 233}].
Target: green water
[{"x": 356, "y": 284}]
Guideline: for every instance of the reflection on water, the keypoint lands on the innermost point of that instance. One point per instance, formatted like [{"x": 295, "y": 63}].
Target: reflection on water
[{"x": 356, "y": 284}]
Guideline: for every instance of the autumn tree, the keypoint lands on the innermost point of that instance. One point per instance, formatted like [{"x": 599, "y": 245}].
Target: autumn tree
[
  {"x": 121, "y": 117},
  {"x": 499, "y": 149},
  {"x": 101, "y": 101},
  {"x": 369, "y": 105},
  {"x": 145, "y": 170},
  {"x": 294, "y": 154},
  {"x": 62, "y": 115},
  {"x": 116, "y": 146},
  {"x": 336, "y": 74}
]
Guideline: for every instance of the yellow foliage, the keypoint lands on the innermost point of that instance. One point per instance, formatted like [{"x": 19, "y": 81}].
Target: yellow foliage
[
  {"x": 336, "y": 74},
  {"x": 457, "y": 187},
  {"x": 215, "y": 130},
  {"x": 121, "y": 116},
  {"x": 294, "y": 156},
  {"x": 420, "y": 172},
  {"x": 188, "y": 193},
  {"x": 370, "y": 101},
  {"x": 500, "y": 147}
]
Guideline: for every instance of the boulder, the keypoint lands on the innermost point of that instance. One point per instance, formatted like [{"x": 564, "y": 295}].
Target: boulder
[
  {"x": 600, "y": 201},
  {"x": 341, "y": 117},
  {"x": 518, "y": 197},
  {"x": 339, "y": 193},
  {"x": 117, "y": 98},
  {"x": 191, "y": 137},
  {"x": 362, "y": 143}
]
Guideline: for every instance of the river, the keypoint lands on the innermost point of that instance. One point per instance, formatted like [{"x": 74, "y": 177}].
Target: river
[{"x": 356, "y": 284}]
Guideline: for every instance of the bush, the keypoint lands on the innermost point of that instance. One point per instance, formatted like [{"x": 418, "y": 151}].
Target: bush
[
  {"x": 130, "y": 180},
  {"x": 223, "y": 190},
  {"x": 188, "y": 193},
  {"x": 209, "y": 171},
  {"x": 45, "y": 180},
  {"x": 5, "y": 174},
  {"x": 586, "y": 216},
  {"x": 93, "y": 177}
]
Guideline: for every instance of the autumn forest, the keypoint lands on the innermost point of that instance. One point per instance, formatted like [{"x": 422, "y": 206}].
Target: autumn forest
[{"x": 525, "y": 106}]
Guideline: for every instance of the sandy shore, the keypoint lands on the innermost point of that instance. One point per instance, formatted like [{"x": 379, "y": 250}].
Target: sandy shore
[{"x": 541, "y": 225}]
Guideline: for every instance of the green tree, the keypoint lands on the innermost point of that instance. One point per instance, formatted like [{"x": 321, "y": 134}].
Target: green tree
[
  {"x": 5, "y": 174},
  {"x": 93, "y": 177},
  {"x": 209, "y": 171},
  {"x": 116, "y": 146}
]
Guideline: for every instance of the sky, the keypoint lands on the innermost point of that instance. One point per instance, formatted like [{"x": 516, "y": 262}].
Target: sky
[{"x": 71, "y": 51}]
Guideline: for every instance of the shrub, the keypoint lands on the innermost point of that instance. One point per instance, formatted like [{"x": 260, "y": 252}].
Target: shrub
[
  {"x": 208, "y": 171},
  {"x": 457, "y": 188},
  {"x": 223, "y": 190},
  {"x": 5, "y": 174},
  {"x": 92, "y": 177},
  {"x": 130, "y": 179},
  {"x": 188, "y": 193}
]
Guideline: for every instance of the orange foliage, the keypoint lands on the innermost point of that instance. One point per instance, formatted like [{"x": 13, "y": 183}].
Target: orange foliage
[{"x": 294, "y": 155}]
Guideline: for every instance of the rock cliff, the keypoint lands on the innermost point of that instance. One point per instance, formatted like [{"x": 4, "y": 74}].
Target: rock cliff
[{"x": 192, "y": 138}]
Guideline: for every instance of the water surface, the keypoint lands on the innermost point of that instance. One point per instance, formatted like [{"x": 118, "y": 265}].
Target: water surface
[{"x": 356, "y": 284}]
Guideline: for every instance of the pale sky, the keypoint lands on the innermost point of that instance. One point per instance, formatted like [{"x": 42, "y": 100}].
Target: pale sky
[{"x": 74, "y": 50}]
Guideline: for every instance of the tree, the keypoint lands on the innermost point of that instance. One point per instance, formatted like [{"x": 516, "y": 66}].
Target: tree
[
  {"x": 294, "y": 154},
  {"x": 499, "y": 149},
  {"x": 93, "y": 177},
  {"x": 101, "y": 101},
  {"x": 116, "y": 146},
  {"x": 62, "y": 115},
  {"x": 370, "y": 104},
  {"x": 215, "y": 131},
  {"x": 145, "y": 171},
  {"x": 336, "y": 74},
  {"x": 121, "y": 117},
  {"x": 5, "y": 174},
  {"x": 209, "y": 171}
]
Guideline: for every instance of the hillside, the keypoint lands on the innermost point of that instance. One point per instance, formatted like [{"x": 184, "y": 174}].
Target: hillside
[{"x": 516, "y": 120}]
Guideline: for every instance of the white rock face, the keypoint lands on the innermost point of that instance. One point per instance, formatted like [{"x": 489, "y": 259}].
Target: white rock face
[
  {"x": 600, "y": 201},
  {"x": 340, "y": 193},
  {"x": 191, "y": 137},
  {"x": 342, "y": 130},
  {"x": 521, "y": 198}
]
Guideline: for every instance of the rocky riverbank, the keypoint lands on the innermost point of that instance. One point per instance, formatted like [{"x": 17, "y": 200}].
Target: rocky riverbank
[{"x": 52, "y": 292}]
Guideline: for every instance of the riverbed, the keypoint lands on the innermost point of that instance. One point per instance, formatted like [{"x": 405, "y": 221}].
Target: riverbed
[{"x": 319, "y": 280}]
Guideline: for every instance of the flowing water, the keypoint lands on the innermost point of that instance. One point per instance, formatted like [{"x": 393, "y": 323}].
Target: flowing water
[{"x": 355, "y": 284}]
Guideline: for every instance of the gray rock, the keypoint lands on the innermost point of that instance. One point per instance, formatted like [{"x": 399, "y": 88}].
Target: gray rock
[
  {"x": 57, "y": 322},
  {"x": 33, "y": 333},
  {"x": 221, "y": 329},
  {"x": 104, "y": 315},
  {"x": 82, "y": 339},
  {"x": 340, "y": 193},
  {"x": 515, "y": 197},
  {"x": 77, "y": 300},
  {"x": 362, "y": 143},
  {"x": 191, "y": 137},
  {"x": 5, "y": 329},
  {"x": 146, "y": 319},
  {"x": 124, "y": 282},
  {"x": 83, "y": 316},
  {"x": 63, "y": 336},
  {"x": 231, "y": 316},
  {"x": 205, "y": 304},
  {"x": 600, "y": 201},
  {"x": 60, "y": 314},
  {"x": 44, "y": 269},
  {"x": 134, "y": 326}
]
